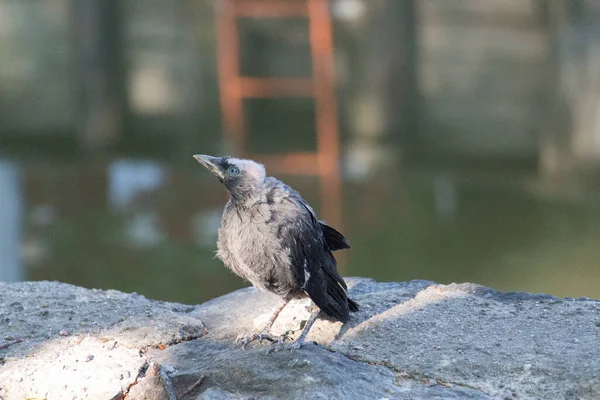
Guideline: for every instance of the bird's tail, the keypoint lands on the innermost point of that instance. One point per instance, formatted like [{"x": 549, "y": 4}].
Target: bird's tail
[
  {"x": 352, "y": 305},
  {"x": 335, "y": 240}
]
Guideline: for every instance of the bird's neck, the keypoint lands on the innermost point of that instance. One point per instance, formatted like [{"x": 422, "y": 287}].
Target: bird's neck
[
  {"x": 238, "y": 198},
  {"x": 243, "y": 198},
  {"x": 247, "y": 195}
]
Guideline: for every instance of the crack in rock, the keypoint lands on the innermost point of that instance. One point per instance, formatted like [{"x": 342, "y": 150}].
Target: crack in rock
[{"x": 412, "y": 375}]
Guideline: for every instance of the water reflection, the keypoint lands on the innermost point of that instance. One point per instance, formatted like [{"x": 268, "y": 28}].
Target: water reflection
[
  {"x": 498, "y": 235},
  {"x": 444, "y": 189},
  {"x": 126, "y": 180},
  {"x": 11, "y": 219},
  {"x": 150, "y": 227}
]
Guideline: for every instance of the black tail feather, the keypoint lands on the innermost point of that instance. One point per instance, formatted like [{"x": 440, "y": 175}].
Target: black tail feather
[
  {"x": 335, "y": 240},
  {"x": 336, "y": 303}
]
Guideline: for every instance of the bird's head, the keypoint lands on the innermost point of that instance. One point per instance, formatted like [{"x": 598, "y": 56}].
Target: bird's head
[{"x": 240, "y": 177}]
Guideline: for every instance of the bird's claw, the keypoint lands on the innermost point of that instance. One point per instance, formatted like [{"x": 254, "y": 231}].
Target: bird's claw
[{"x": 261, "y": 337}]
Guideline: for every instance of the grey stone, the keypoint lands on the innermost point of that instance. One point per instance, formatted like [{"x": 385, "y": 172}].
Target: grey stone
[
  {"x": 414, "y": 340},
  {"x": 100, "y": 358},
  {"x": 153, "y": 386}
]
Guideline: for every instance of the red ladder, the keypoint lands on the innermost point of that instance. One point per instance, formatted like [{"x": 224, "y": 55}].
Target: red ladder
[{"x": 234, "y": 88}]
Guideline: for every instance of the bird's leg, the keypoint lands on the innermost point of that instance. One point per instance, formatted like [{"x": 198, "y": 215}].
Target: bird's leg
[
  {"x": 265, "y": 333},
  {"x": 271, "y": 321},
  {"x": 300, "y": 340}
]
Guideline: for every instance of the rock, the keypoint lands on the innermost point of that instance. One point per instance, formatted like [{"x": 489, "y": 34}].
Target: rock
[
  {"x": 100, "y": 358},
  {"x": 409, "y": 340},
  {"x": 154, "y": 386}
]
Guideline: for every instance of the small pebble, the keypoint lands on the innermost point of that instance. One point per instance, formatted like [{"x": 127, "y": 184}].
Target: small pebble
[
  {"x": 89, "y": 357},
  {"x": 63, "y": 333}
]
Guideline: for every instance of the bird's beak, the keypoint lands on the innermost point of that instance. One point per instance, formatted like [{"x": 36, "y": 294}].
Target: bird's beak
[{"x": 210, "y": 163}]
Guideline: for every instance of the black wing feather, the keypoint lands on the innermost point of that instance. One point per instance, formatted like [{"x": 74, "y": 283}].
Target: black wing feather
[{"x": 314, "y": 265}]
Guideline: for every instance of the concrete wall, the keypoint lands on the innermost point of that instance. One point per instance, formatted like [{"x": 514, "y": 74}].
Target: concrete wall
[{"x": 483, "y": 70}]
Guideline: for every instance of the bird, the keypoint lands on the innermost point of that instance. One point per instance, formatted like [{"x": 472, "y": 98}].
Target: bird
[{"x": 271, "y": 237}]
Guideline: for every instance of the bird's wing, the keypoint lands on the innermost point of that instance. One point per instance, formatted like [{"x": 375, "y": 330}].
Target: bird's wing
[{"x": 313, "y": 263}]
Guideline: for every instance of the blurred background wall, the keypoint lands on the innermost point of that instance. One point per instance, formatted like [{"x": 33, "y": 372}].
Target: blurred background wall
[{"x": 470, "y": 140}]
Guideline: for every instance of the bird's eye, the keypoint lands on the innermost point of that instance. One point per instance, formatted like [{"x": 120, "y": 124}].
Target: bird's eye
[{"x": 233, "y": 171}]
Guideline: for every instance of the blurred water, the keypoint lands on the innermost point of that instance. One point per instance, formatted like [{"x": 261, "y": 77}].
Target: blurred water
[
  {"x": 11, "y": 214},
  {"x": 159, "y": 235}
]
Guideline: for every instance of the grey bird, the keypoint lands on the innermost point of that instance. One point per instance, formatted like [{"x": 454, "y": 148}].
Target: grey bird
[{"x": 270, "y": 236}]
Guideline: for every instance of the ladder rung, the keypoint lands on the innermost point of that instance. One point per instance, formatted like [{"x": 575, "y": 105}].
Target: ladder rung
[
  {"x": 291, "y": 163},
  {"x": 276, "y": 87},
  {"x": 269, "y": 9}
]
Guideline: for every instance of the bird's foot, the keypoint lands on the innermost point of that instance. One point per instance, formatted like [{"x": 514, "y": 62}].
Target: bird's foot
[
  {"x": 261, "y": 337},
  {"x": 295, "y": 345}
]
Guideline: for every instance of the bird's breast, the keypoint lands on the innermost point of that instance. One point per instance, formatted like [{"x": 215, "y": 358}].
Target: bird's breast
[{"x": 250, "y": 248}]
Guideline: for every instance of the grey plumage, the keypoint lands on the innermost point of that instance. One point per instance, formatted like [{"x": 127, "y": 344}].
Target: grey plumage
[{"x": 271, "y": 236}]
